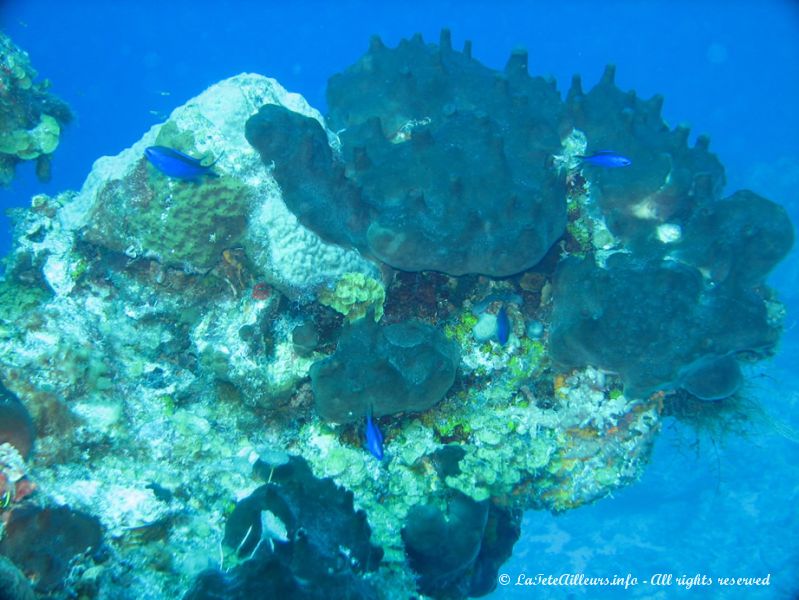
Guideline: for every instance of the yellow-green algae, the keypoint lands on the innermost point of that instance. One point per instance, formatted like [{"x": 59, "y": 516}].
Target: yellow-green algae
[{"x": 354, "y": 295}]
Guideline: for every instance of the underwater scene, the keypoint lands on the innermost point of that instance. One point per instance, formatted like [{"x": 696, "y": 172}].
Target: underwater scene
[{"x": 379, "y": 300}]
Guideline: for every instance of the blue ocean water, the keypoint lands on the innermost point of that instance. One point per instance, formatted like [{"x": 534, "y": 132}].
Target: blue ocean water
[{"x": 727, "y": 68}]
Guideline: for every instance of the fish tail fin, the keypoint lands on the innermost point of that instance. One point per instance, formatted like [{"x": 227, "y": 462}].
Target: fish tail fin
[
  {"x": 211, "y": 173},
  {"x": 216, "y": 160}
]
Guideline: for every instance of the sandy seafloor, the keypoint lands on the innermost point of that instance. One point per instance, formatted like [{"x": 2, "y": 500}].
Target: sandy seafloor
[{"x": 729, "y": 509}]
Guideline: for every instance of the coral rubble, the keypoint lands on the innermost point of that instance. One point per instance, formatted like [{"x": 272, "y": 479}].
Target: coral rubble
[{"x": 195, "y": 359}]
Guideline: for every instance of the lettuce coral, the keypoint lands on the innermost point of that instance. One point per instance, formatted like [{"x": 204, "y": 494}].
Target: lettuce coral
[
  {"x": 354, "y": 295},
  {"x": 30, "y": 116}
]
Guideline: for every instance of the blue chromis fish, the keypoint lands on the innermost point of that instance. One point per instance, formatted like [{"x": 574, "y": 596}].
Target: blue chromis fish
[
  {"x": 607, "y": 159},
  {"x": 175, "y": 163},
  {"x": 374, "y": 439},
  {"x": 503, "y": 326}
]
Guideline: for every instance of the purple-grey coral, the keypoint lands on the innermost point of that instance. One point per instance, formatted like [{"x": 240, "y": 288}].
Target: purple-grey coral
[
  {"x": 319, "y": 546},
  {"x": 446, "y": 163},
  {"x": 389, "y": 369}
]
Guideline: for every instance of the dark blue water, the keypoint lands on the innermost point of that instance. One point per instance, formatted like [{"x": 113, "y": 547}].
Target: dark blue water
[{"x": 727, "y": 68}]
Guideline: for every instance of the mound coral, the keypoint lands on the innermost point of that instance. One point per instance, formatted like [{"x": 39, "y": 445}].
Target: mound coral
[
  {"x": 182, "y": 224},
  {"x": 394, "y": 368}
]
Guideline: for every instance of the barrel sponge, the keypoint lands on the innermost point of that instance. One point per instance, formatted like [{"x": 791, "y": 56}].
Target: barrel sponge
[
  {"x": 406, "y": 366},
  {"x": 312, "y": 181},
  {"x": 712, "y": 377},
  {"x": 657, "y": 324},
  {"x": 668, "y": 180},
  {"x": 739, "y": 239},
  {"x": 452, "y": 157},
  {"x": 44, "y": 541},
  {"x": 444, "y": 163},
  {"x": 315, "y": 539},
  {"x": 479, "y": 539}
]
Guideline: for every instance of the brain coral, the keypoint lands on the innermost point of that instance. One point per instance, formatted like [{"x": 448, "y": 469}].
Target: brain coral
[{"x": 183, "y": 224}]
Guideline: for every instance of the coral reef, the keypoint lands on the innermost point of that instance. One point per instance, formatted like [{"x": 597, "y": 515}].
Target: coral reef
[
  {"x": 197, "y": 358},
  {"x": 30, "y": 117},
  {"x": 126, "y": 206}
]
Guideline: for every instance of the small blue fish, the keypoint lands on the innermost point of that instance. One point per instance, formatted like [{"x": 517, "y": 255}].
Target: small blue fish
[
  {"x": 175, "y": 163},
  {"x": 503, "y": 326},
  {"x": 607, "y": 159},
  {"x": 374, "y": 439}
]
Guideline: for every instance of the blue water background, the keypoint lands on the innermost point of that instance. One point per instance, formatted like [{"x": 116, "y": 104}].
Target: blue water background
[{"x": 729, "y": 68}]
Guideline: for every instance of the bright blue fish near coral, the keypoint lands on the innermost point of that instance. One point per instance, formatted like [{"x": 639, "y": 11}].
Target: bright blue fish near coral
[
  {"x": 503, "y": 326},
  {"x": 374, "y": 439},
  {"x": 175, "y": 163},
  {"x": 607, "y": 159}
]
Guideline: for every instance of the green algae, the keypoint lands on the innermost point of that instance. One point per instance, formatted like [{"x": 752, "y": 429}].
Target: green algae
[{"x": 18, "y": 299}]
